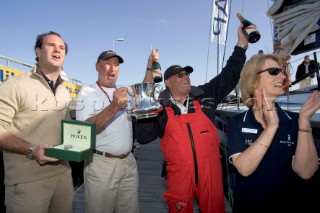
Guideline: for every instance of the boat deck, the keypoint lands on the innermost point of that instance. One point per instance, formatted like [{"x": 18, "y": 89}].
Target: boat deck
[{"x": 151, "y": 186}]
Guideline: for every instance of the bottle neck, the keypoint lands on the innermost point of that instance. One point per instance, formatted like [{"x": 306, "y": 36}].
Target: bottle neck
[{"x": 240, "y": 17}]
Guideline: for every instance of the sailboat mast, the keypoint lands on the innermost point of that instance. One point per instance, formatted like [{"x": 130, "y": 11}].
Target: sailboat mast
[{"x": 316, "y": 68}]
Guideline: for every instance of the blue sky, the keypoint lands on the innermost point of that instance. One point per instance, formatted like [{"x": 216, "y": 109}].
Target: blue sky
[{"x": 179, "y": 28}]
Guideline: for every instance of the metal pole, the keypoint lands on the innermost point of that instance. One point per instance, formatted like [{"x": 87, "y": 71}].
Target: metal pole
[{"x": 316, "y": 65}]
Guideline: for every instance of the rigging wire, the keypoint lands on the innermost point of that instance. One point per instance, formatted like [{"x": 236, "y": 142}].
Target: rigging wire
[
  {"x": 208, "y": 52},
  {"x": 301, "y": 58},
  {"x": 225, "y": 46},
  {"x": 229, "y": 192},
  {"x": 271, "y": 26},
  {"x": 228, "y": 170},
  {"x": 242, "y": 6}
]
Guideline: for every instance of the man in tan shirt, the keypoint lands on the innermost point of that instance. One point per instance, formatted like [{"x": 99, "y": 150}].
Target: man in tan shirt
[{"x": 32, "y": 106}]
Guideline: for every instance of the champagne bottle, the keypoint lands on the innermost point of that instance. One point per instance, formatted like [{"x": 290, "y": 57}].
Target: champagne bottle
[
  {"x": 249, "y": 29},
  {"x": 156, "y": 70}
]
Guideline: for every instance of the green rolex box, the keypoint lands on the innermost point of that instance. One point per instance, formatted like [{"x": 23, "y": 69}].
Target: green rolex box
[{"x": 78, "y": 139}]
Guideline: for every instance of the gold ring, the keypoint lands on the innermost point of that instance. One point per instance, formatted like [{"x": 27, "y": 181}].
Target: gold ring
[{"x": 269, "y": 109}]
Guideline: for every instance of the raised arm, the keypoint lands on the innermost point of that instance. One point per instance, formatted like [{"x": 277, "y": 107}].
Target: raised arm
[
  {"x": 305, "y": 162},
  {"x": 153, "y": 57}
]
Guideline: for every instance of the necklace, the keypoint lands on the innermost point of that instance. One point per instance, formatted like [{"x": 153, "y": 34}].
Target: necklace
[{"x": 104, "y": 91}]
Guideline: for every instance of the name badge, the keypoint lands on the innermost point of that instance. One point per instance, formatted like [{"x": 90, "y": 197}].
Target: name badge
[{"x": 249, "y": 130}]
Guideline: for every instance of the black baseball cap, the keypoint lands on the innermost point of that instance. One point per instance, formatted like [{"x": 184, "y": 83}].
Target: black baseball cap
[
  {"x": 175, "y": 69},
  {"x": 109, "y": 54}
]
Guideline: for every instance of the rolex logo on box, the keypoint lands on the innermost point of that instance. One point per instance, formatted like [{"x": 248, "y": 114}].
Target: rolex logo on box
[{"x": 78, "y": 139}]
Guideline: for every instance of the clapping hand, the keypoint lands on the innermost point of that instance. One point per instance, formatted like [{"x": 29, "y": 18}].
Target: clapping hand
[
  {"x": 266, "y": 108},
  {"x": 311, "y": 106}
]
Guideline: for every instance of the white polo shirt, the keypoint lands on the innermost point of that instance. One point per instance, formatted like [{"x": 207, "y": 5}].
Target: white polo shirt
[{"x": 116, "y": 138}]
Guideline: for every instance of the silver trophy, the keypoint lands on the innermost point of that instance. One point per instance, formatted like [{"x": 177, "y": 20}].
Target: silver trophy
[{"x": 143, "y": 100}]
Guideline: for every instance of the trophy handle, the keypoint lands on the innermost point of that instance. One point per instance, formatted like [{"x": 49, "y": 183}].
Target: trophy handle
[{"x": 157, "y": 89}]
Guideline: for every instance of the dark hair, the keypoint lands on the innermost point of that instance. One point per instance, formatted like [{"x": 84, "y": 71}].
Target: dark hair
[{"x": 39, "y": 41}]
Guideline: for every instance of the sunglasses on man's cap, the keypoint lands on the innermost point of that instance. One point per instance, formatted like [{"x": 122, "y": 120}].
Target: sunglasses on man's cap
[{"x": 181, "y": 74}]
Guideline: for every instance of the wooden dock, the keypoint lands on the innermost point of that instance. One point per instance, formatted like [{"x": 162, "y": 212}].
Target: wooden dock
[{"x": 151, "y": 185}]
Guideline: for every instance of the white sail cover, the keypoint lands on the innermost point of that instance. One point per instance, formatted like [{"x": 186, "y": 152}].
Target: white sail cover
[{"x": 294, "y": 22}]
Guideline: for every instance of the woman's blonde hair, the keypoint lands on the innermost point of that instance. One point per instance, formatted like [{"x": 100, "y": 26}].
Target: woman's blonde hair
[{"x": 249, "y": 77}]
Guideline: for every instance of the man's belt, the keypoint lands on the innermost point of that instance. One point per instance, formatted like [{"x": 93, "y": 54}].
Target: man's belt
[{"x": 108, "y": 155}]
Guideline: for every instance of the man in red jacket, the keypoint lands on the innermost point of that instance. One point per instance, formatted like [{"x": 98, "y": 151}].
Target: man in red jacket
[{"x": 189, "y": 139}]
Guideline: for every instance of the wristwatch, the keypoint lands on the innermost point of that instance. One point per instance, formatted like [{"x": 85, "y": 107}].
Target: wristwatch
[
  {"x": 245, "y": 47},
  {"x": 29, "y": 152},
  {"x": 149, "y": 69}
]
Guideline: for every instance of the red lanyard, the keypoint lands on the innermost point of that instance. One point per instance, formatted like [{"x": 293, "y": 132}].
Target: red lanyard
[{"x": 104, "y": 91}]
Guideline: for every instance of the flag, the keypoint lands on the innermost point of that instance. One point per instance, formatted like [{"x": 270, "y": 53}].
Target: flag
[{"x": 219, "y": 21}]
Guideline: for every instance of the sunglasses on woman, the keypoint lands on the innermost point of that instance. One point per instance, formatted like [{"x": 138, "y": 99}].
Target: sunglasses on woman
[{"x": 273, "y": 71}]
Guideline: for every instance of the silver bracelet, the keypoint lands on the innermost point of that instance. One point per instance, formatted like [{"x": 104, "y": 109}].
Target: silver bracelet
[{"x": 245, "y": 47}]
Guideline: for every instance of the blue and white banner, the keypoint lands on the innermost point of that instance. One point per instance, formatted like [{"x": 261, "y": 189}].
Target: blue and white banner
[{"x": 219, "y": 21}]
